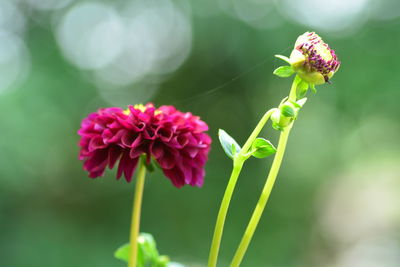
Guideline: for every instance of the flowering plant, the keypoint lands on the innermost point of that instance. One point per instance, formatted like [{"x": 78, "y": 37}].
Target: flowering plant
[
  {"x": 176, "y": 142},
  {"x": 314, "y": 63},
  {"x": 143, "y": 135}
]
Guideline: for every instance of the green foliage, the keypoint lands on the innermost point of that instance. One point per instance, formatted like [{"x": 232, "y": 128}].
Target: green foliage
[
  {"x": 262, "y": 148},
  {"x": 300, "y": 103},
  {"x": 284, "y": 58},
  {"x": 230, "y": 146},
  {"x": 302, "y": 88},
  {"x": 122, "y": 253},
  {"x": 148, "y": 255},
  {"x": 284, "y": 71}
]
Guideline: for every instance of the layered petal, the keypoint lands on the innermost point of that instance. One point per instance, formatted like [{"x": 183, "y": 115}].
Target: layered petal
[{"x": 175, "y": 140}]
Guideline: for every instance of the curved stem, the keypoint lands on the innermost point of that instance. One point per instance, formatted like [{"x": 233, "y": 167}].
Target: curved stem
[
  {"x": 255, "y": 218},
  {"x": 223, "y": 210},
  {"x": 266, "y": 192},
  {"x": 137, "y": 204},
  {"x": 256, "y": 131}
]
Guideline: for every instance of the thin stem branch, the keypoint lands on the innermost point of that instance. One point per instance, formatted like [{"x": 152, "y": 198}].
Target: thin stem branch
[
  {"x": 137, "y": 204},
  {"x": 256, "y": 131},
  {"x": 223, "y": 210},
  {"x": 255, "y": 218},
  {"x": 266, "y": 192}
]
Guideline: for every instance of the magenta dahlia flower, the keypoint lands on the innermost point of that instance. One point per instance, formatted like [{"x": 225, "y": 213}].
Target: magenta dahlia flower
[{"x": 176, "y": 141}]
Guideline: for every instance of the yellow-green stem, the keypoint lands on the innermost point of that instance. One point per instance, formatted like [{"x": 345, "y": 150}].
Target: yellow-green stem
[
  {"x": 219, "y": 226},
  {"x": 255, "y": 218},
  {"x": 223, "y": 210},
  {"x": 137, "y": 204},
  {"x": 256, "y": 132}
]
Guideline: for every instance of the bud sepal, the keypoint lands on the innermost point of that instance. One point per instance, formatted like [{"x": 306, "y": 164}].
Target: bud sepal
[{"x": 286, "y": 113}]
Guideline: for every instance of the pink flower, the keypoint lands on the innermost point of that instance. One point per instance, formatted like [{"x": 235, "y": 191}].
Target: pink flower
[{"x": 176, "y": 141}]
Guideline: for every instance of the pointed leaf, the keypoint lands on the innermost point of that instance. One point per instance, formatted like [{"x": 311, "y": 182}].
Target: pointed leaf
[
  {"x": 301, "y": 102},
  {"x": 286, "y": 59},
  {"x": 262, "y": 148},
  {"x": 284, "y": 71},
  {"x": 122, "y": 253},
  {"x": 147, "y": 248},
  {"x": 230, "y": 146},
  {"x": 302, "y": 88},
  {"x": 147, "y": 252}
]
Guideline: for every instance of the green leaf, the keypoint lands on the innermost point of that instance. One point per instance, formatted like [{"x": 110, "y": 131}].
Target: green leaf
[
  {"x": 284, "y": 71},
  {"x": 230, "y": 146},
  {"x": 122, "y": 253},
  {"x": 302, "y": 88},
  {"x": 147, "y": 250},
  {"x": 262, "y": 148},
  {"x": 295, "y": 104},
  {"x": 148, "y": 255},
  {"x": 287, "y": 111},
  {"x": 286, "y": 59},
  {"x": 301, "y": 102}
]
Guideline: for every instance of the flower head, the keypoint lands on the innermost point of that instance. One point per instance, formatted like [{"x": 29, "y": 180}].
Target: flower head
[
  {"x": 313, "y": 60},
  {"x": 176, "y": 141}
]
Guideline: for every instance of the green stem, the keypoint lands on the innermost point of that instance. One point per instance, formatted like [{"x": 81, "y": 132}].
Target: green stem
[
  {"x": 266, "y": 192},
  {"x": 255, "y": 218},
  {"x": 256, "y": 131},
  {"x": 219, "y": 226},
  {"x": 293, "y": 89},
  {"x": 137, "y": 204},
  {"x": 223, "y": 210}
]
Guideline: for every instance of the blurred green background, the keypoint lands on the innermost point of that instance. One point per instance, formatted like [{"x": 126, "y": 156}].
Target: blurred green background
[{"x": 336, "y": 201}]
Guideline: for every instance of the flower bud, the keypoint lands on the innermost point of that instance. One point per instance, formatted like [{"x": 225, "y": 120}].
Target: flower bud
[
  {"x": 313, "y": 60},
  {"x": 280, "y": 121}
]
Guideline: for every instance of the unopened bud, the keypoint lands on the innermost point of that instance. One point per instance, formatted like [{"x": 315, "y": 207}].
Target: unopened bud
[
  {"x": 313, "y": 60},
  {"x": 279, "y": 120}
]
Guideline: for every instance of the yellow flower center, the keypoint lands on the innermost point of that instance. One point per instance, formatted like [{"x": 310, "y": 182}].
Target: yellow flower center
[{"x": 142, "y": 108}]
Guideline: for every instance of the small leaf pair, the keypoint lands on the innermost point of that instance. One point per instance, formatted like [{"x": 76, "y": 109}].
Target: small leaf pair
[
  {"x": 260, "y": 147},
  {"x": 287, "y": 71}
]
